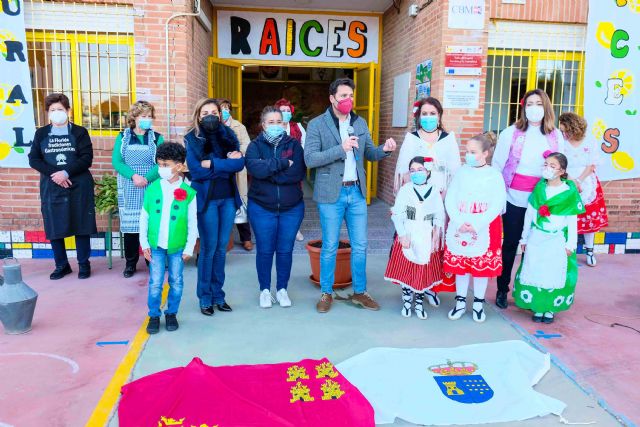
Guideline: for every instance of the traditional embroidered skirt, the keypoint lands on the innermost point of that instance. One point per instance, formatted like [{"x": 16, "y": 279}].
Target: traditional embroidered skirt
[
  {"x": 487, "y": 265},
  {"x": 419, "y": 278},
  {"x": 595, "y": 216}
]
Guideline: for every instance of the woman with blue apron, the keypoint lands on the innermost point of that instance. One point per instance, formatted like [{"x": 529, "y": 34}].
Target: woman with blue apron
[
  {"x": 134, "y": 158},
  {"x": 62, "y": 153}
]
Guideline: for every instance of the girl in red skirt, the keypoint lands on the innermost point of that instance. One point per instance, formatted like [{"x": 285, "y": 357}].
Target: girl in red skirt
[
  {"x": 582, "y": 154},
  {"x": 475, "y": 200},
  {"x": 416, "y": 254}
]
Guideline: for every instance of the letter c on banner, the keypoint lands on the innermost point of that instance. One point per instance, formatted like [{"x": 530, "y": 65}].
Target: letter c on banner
[
  {"x": 304, "y": 38},
  {"x": 619, "y": 52}
]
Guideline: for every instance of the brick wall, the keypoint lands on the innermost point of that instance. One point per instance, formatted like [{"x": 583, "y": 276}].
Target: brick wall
[
  {"x": 190, "y": 45},
  {"x": 408, "y": 41}
]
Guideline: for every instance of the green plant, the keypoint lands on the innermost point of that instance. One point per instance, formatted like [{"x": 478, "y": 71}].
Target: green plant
[{"x": 107, "y": 194}]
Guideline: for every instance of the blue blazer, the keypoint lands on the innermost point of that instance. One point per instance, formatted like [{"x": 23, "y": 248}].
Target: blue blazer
[{"x": 220, "y": 167}]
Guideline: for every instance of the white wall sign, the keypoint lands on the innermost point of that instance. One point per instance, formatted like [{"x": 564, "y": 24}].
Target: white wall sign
[
  {"x": 461, "y": 93},
  {"x": 611, "y": 98},
  {"x": 286, "y": 36},
  {"x": 466, "y": 14},
  {"x": 401, "y": 85},
  {"x": 17, "y": 124}
]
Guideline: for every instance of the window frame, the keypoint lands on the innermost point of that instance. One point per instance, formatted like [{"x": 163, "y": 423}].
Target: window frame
[{"x": 75, "y": 39}]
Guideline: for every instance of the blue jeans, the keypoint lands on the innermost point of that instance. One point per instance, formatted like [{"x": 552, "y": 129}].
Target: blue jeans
[
  {"x": 352, "y": 207},
  {"x": 159, "y": 258},
  {"x": 275, "y": 233},
  {"x": 214, "y": 225}
]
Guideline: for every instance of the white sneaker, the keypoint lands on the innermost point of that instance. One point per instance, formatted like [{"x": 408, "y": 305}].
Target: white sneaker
[
  {"x": 283, "y": 298},
  {"x": 266, "y": 299},
  {"x": 299, "y": 237}
]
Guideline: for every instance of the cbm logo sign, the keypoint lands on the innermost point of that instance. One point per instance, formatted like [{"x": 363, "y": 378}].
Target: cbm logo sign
[{"x": 467, "y": 14}]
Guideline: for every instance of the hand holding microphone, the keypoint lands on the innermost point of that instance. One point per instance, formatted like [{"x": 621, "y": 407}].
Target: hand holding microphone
[{"x": 351, "y": 142}]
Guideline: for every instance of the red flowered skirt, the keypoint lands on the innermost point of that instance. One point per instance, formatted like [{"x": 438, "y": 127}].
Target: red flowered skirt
[
  {"x": 595, "y": 216},
  {"x": 487, "y": 265},
  {"x": 430, "y": 276}
]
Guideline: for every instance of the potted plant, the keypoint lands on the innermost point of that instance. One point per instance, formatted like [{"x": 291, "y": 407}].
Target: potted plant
[
  {"x": 107, "y": 195},
  {"x": 342, "y": 277}
]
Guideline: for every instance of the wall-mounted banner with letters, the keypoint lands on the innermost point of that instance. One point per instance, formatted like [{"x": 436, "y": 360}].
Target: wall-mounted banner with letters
[{"x": 287, "y": 36}]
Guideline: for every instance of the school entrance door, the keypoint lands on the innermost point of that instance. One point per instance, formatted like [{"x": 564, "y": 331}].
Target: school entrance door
[{"x": 252, "y": 86}]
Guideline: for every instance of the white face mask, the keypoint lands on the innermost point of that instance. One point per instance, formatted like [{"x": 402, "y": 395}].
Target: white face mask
[
  {"x": 58, "y": 117},
  {"x": 534, "y": 113},
  {"x": 548, "y": 173},
  {"x": 165, "y": 172}
]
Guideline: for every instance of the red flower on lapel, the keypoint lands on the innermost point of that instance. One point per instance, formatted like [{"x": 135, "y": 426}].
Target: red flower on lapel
[
  {"x": 180, "y": 194},
  {"x": 544, "y": 211}
]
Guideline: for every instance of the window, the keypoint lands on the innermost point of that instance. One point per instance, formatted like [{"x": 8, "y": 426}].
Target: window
[
  {"x": 94, "y": 70},
  {"x": 512, "y": 72}
]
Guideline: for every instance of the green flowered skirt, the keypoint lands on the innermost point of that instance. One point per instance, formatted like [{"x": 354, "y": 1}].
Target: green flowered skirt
[{"x": 540, "y": 300}]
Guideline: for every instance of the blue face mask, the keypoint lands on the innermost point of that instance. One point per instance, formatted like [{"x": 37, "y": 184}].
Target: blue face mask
[
  {"x": 226, "y": 115},
  {"x": 419, "y": 178},
  {"x": 470, "y": 160},
  {"x": 145, "y": 123},
  {"x": 274, "y": 131},
  {"x": 429, "y": 123},
  {"x": 286, "y": 116}
]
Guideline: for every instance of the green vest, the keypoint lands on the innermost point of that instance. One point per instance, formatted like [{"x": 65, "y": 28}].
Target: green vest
[{"x": 178, "y": 222}]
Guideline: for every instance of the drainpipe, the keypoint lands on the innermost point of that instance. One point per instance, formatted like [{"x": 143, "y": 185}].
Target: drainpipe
[{"x": 166, "y": 54}]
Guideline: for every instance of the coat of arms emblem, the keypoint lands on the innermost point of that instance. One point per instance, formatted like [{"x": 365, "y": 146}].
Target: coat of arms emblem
[{"x": 457, "y": 382}]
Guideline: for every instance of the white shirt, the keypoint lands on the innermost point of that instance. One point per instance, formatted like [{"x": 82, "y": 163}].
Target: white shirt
[
  {"x": 350, "y": 169},
  {"x": 163, "y": 234},
  {"x": 556, "y": 222},
  {"x": 302, "y": 132},
  {"x": 531, "y": 161}
]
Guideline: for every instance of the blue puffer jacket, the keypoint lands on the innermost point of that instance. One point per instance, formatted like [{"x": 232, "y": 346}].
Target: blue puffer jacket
[
  {"x": 221, "y": 167},
  {"x": 274, "y": 184}
]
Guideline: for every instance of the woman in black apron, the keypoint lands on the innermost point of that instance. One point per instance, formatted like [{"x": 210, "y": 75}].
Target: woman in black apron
[{"x": 62, "y": 153}]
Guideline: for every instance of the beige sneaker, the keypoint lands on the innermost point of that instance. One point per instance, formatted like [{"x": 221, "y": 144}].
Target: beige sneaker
[
  {"x": 365, "y": 300},
  {"x": 324, "y": 305}
]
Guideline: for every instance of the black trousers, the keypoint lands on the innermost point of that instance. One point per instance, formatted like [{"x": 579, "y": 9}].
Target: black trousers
[
  {"x": 131, "y": 248},
  {"x": 512, "y": 223},
  {"x": 245, "y": 232},
  {"x": 83, "y": 248}
]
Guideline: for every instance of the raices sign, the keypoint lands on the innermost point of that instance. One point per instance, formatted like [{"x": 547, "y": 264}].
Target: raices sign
[{"x": 284, "y": 36}]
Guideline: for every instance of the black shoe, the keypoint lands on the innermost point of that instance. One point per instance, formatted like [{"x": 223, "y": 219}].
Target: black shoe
[
  {"x": 60, "y": 272},
  {"x": 84, "y": 271},
  {"x": 547, "y": 320},
  {"x": 501, "y": 300},
  {"x": 153, "y": 327},
  {"x": 170, "y": 322},
  {"x": 129, "y": 271},
  {"x": 537, "y": 319},
  {"x": 207, "y": 311},
  {"x": 224, "y": 307}
]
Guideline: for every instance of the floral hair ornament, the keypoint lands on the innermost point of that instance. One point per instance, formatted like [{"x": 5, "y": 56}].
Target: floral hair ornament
[
  {"x": 416, "y": 106},
  {"x": 547, "y": 153},
  {"x": 428, "y": 163}
]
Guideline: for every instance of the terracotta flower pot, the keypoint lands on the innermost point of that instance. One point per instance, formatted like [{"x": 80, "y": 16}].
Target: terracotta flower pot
[{"x": 342, "y": 277}]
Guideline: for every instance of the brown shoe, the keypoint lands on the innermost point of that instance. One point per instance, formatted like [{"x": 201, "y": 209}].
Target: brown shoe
[
  {"x": 365, "y": 300},
  {"x": 324, "y": 304},
  {"x": 247, "y": 245}
]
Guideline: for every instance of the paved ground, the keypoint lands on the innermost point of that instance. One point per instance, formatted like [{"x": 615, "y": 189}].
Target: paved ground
[{"x": 254, "y": 335}]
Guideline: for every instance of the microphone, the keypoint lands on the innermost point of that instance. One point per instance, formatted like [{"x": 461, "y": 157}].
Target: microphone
[{"x": 352, "y": 132}]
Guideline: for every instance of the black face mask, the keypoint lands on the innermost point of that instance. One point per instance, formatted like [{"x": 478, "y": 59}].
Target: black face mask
[{"x": 210, "y": 123}]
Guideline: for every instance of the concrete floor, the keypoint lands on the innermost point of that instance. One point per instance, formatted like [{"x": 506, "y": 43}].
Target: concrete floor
[{"x": 254, "y": 335}]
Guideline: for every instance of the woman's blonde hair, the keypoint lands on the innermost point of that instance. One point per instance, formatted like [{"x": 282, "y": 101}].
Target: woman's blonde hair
[
  {"x": 138, "y": 108},
  {"x": 195, "y": 120},
  {"x": 548, "y": 121}
]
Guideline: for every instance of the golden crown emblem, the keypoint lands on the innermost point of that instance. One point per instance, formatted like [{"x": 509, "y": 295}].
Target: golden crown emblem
[{"x": 454, "y": 368}]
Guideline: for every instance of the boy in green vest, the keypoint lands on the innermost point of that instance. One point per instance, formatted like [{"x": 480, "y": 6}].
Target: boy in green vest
[{"x": 168, "y": 232}]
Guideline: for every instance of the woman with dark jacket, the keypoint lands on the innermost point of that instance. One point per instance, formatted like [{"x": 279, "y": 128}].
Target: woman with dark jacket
[
  {"x": 275, "y": 162},
  {"x": 62, "y": 153},
  {"x": 213, "y": 158}
]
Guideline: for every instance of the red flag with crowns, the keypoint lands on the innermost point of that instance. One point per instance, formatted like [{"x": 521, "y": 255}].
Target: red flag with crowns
[{"x": 306, "y": 393}]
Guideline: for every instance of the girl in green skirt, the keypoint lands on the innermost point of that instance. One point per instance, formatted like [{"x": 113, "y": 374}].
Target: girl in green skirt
[{"x": 546, "y": 280}]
